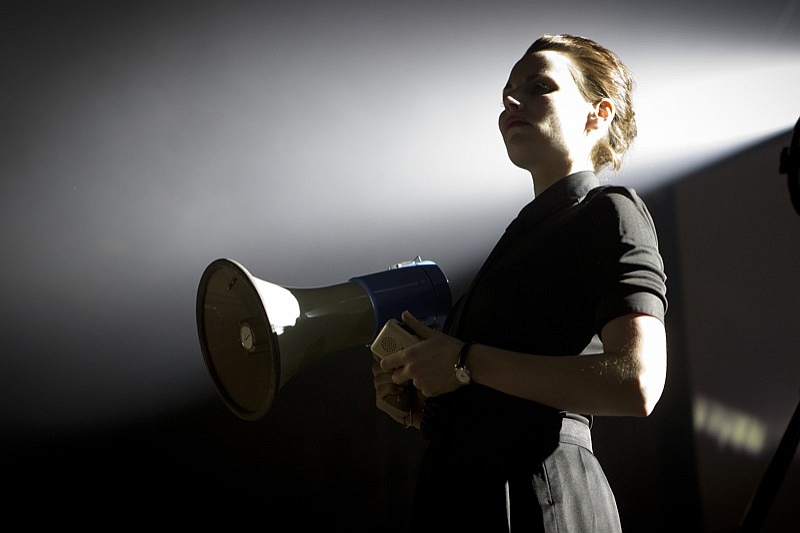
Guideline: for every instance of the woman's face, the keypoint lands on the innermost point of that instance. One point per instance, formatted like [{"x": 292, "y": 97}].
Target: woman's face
[{"x": 544, "y": 118}]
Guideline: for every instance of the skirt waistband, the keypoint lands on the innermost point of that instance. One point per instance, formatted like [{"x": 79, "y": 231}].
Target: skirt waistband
[{"x": 575, "y": 432}]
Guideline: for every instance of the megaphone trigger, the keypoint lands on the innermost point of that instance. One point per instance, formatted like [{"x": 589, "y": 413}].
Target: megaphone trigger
[{"x": 395, "y": 336}]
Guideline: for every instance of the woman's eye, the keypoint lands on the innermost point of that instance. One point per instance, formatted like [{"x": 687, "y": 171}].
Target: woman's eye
[
  {"x": 534, "y": 88},
  {"x": 541, "y": 87}
]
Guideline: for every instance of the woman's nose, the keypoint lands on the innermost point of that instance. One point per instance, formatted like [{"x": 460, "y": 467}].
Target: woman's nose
[{"x": 511, "y": 103}]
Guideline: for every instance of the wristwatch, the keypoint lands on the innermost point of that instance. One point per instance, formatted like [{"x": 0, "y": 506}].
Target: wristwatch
[{"x": 463, "y": 375}]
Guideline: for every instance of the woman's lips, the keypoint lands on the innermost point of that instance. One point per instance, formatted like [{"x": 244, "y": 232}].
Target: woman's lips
[{"x": 513, "y": 122}]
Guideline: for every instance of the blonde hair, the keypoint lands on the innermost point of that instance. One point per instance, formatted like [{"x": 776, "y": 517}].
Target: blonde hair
[{"x": 599, "y": 74}]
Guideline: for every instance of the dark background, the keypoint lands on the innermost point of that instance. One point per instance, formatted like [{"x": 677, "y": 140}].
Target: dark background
[{"x": 317, "y": 141}]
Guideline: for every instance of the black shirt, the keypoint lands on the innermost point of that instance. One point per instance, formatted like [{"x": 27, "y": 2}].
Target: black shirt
[{"x": 576, "y": 257}]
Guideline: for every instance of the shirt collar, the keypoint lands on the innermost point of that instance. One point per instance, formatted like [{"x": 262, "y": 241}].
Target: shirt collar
[{"x": 566, "y": 192}]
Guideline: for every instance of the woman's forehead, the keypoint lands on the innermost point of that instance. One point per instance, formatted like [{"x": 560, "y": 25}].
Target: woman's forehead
[{"x": 545, "y": 62}]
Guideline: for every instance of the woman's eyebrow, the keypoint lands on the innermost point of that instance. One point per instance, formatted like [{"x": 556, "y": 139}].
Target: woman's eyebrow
[
  {"x": 542, "y": 74},
  {"x": 532, "y": 77}
]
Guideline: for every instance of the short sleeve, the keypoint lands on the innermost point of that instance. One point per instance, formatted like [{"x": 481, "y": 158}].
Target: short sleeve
[{"x": 630, "y": 269}]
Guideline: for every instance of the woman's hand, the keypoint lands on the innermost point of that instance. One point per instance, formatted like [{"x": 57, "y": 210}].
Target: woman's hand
[
  {"x": 428, "y": 364},
  {"x": 386, "y": 389}
]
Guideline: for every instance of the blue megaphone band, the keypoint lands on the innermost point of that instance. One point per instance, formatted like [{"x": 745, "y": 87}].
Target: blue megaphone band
[{"x": 416, "y": 286}]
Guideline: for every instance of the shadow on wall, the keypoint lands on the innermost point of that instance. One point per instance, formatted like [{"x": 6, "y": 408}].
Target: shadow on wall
[{"x": 739, "y": 250}]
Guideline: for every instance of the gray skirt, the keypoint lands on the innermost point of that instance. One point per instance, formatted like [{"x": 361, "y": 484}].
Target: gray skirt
[{"x": 565, "y": 491}]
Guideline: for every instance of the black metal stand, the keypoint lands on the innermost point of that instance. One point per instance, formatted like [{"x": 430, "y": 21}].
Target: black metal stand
[
  {"x": 773, "y": 477},
  {"x": 764, "y": 496},
  {"x": 790, "y": 165}
]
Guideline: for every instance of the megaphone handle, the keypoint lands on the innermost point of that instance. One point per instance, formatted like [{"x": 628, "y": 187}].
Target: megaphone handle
[
  {"x": 400, "y": 405},
  {"x": 392, "y": 337}
]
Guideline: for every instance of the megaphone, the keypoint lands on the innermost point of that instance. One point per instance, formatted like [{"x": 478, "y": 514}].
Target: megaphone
[{"x": 255, "y": 335}]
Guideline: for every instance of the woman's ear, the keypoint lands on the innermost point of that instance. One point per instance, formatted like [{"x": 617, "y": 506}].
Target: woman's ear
[{"x": 601, "y": 116}]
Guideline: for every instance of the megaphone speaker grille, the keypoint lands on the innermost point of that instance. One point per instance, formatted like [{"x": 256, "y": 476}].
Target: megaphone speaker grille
[{"x": 389, "y": 344}]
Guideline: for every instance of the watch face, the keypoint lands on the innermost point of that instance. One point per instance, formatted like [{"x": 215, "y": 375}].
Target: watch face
[{"x": 462, "y": 375}]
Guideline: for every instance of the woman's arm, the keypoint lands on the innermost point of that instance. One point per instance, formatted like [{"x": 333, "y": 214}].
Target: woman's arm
[{"x": 627, "y": 379}]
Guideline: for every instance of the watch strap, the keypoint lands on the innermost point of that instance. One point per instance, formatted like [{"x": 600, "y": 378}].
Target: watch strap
[{"x": 462, "y": 354}]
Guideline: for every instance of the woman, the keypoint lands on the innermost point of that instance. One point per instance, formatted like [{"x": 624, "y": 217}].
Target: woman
[{"x": 564, "y": 321}]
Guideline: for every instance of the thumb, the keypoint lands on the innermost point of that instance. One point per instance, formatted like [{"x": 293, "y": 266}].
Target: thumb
[{"x": 421, "y": 330}]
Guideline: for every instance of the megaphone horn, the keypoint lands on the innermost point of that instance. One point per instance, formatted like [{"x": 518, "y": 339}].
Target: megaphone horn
[{"x": 255, "y": 335}]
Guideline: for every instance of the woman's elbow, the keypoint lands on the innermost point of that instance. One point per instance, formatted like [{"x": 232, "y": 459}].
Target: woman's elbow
[
  {"x": 650, "y": 386},
  {"x": 650, "y": 397}
]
